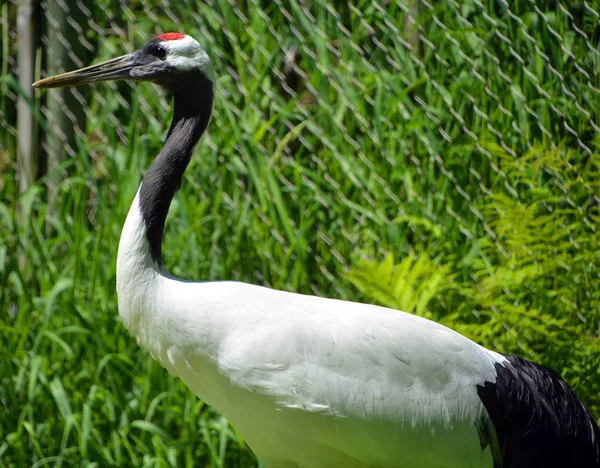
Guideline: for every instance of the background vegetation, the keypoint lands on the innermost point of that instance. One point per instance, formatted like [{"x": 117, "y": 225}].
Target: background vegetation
[{"x": 439, "y": 158}]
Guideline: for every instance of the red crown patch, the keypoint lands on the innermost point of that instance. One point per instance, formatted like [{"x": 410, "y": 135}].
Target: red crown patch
[{"x": 170, "y": 36}]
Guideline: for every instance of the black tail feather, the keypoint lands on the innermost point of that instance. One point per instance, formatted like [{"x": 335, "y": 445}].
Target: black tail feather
[{"x": 538, "y": 419}]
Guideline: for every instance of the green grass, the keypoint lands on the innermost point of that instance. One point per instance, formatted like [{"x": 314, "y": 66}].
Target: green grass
[{"x": 476, "y": 170}]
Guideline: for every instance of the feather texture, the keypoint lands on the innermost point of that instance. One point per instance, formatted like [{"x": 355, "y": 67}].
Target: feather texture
[{"x": 315, "y": 382}]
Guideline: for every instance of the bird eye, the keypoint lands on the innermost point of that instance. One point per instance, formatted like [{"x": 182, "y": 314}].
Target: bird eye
[{"x": 159, "y": 52}]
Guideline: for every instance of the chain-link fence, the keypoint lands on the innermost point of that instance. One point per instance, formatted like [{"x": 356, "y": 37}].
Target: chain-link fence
[
  {"x": 467, "y": 130},
  {"x": 459, "y": 137},
  {"x": 347, "y": 94}
]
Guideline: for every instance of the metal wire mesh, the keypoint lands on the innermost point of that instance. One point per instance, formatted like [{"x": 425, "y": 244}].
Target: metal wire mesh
[{"x": 425, "y": 99}]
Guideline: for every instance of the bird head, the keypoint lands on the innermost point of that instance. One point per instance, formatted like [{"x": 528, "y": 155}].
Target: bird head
[{"x": 169, "y": 60}]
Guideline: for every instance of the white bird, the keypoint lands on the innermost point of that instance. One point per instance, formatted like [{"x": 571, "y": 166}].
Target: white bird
[{"x": 316, "y": 382}]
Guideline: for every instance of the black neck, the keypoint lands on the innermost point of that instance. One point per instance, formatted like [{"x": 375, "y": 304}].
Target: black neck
[{"x": 192, "y": 111}]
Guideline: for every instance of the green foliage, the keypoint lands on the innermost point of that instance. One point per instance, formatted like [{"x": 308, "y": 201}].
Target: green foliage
[
  {"x": 408, "y": 286},
  {"x": 73, "y": 384},
  {"x": 472, "y": 159},
  {"x": 533, "y": 291}
]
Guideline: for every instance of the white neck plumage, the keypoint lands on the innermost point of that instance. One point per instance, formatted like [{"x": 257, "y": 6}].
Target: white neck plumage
[
  {"x": 139, "y": 258},
  {"x": 137, "y": 272}
]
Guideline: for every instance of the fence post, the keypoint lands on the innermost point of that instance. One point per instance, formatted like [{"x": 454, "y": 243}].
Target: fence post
[
  {"x": 64, "y": 113},
  {"x": 27, "y": 39}
]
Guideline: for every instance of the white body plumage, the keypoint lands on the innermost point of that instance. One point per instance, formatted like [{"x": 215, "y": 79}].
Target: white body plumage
[
  {"x": 313, "y": 382},
  {"x": 340, "y": 383}
]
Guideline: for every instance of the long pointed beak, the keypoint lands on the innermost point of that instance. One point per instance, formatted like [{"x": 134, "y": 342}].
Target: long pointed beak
[{"x": 114, "y": 69}]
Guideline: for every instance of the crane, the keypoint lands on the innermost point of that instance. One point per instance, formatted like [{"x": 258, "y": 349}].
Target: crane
[{"x": 317, "y": 382}]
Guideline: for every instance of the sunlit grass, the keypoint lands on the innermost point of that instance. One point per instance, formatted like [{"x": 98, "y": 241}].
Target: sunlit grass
[{"x": 367, "y": 157}]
